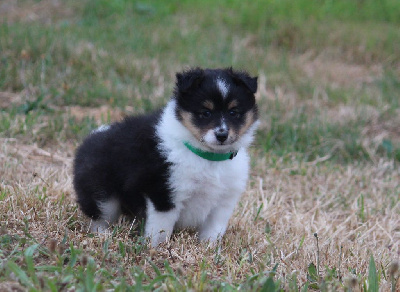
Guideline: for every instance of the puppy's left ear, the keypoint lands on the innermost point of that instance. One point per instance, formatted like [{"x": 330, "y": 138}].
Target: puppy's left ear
[{"x": 246, "y": 80}]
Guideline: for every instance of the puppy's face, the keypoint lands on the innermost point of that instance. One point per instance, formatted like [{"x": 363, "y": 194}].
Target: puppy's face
[{"x": 216, "y": 106}]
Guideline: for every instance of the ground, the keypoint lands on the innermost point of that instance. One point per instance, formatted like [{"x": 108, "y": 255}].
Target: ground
[{"x": 324, "y": 189}]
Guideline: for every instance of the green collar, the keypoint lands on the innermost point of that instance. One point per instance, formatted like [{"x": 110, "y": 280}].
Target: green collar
[{"x": 210, "y": 155}]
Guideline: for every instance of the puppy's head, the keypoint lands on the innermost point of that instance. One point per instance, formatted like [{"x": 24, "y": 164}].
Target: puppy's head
[{"x": 217, "y": 106}]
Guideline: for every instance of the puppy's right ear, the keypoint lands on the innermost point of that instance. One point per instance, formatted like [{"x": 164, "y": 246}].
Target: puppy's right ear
[
  {"x": 244, "y": 78},
  {"x": 189, "y": 80}
]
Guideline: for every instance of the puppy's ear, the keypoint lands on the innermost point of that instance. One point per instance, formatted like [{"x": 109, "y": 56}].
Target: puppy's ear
[
  {"x": 189, "y": 79},
  {"x": 246, "y": 80}
]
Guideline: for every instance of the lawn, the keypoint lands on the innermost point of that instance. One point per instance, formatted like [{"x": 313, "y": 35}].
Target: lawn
[{"x": 322, "y": 207}]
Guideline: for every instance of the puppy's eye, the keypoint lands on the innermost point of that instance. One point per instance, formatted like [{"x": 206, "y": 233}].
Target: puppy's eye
[
  {"x": 205, "y": 114},
  {"x": 235, "y": 113}
]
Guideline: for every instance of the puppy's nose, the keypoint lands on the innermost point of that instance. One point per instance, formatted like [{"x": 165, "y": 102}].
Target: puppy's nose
[{"x": 221, "y": 134}]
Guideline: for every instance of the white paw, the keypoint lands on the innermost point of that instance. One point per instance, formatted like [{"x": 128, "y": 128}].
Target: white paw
[
  {"x": 159, "y": 224},
  {"x": 159, "y": 237},
  {"x": 211, "y": 237},
  {"x": 99, "y": 226}
]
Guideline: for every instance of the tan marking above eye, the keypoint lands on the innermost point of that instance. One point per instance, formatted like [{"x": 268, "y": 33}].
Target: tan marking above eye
[
  {"x": 208, "y": 104},
  {"x": 232, "y": 104}
]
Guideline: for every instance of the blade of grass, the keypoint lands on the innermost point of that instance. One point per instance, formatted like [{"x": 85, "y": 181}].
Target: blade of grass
[
  {"x": 28, "y": 254},
  {"x": 21, "y": 275},
  {"x": 372, "y": 276}
]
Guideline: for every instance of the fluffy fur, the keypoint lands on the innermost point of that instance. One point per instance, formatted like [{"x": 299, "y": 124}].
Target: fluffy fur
[{"x": 140, "y": 167}]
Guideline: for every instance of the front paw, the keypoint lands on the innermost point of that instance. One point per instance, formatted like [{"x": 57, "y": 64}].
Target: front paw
[
  {"x": 213, "y": 244},
  {"x": 211, "y": 235},
  {"x": 99, "y": 226},
  {"x": 158, "y": 238}
]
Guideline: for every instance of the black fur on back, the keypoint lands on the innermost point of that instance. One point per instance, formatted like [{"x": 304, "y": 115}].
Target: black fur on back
[{"x": 122, "y": 162}]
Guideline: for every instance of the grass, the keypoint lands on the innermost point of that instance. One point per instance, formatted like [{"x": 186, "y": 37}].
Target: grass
[{"x": 322, "y": 206}]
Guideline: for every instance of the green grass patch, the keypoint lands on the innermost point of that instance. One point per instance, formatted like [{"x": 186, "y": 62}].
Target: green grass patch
[
  {"x": 124, "y": 53},
  {"x": 311, "y": 136}
]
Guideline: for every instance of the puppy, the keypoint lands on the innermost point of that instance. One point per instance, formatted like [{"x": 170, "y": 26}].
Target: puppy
[{"x": 183, "y": 166}]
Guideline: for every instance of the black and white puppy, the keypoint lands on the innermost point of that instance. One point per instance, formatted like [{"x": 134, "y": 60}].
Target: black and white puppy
[{"x": 183, "y": 166}]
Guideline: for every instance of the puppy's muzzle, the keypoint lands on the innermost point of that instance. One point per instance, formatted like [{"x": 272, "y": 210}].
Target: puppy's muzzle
[{"x": 221, "y": 134}]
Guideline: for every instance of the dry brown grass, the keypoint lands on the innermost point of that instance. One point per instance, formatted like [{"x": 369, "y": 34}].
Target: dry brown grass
[{"x": 294, "y": 201}]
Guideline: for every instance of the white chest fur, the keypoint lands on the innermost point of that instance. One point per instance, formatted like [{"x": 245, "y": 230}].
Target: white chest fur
[
  {"x": 204, "y": 192},
  {"x": 200, "y": 186}
]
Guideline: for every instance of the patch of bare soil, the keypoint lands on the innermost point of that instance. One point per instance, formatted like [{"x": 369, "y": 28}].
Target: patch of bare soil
[
  {"x": 101, "y": 114},
  {"x": 379, "y": 129},
  {"x": 7, "y": 99},
  {"x": 45, "y": 11},
  {"x": 338, "y": 73},
  {"x": 30, "y": 165},
  {"x": 9, "y": 286}
]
